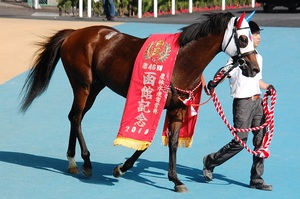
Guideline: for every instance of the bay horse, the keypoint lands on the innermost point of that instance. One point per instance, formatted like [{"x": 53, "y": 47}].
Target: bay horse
[{"x": 99, "y": 56}]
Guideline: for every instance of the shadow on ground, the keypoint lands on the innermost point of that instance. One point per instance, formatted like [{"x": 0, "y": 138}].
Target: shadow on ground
[{"x": 142, "y": 172}]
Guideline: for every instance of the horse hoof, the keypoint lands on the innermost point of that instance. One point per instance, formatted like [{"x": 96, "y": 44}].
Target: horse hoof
[
  {"x": 87, "y": 172},
  {"x": 73, "y": 170},
  {"x": 181, "y": 188},
  {"x": 117, "y": 171}
]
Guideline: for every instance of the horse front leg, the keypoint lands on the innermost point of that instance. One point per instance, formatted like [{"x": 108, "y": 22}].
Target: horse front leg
[
  {"x": 122, "y": 168},
  {"x": 176, "y": 118}
]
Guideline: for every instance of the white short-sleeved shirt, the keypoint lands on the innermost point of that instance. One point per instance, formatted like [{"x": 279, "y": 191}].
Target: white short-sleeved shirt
[{"x": 242, "y": 86}]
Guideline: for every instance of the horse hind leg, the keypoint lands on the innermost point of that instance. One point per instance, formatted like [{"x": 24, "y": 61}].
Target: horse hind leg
[
  {"x": 84, "y": 98},
  {"x": 75, "y": 117}
]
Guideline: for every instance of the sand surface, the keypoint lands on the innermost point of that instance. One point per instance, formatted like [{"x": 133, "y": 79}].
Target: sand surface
[{"x": 18, "y": 38}]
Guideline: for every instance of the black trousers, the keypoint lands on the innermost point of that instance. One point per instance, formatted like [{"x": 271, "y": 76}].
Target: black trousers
[{"x": 246, "y": 113}]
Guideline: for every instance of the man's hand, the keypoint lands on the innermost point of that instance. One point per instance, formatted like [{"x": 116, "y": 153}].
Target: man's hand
[
  {"x": 270, "y": 88},
  {"x": 211, "y": 85}
]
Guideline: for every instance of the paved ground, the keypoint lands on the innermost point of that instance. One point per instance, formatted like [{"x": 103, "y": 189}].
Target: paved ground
[{"x": 33, "y": 146}]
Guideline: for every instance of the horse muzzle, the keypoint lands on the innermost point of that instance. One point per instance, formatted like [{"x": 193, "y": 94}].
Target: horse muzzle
[
  {"x": 249, "y": 68},
  {"x": 248, "y": 63}
]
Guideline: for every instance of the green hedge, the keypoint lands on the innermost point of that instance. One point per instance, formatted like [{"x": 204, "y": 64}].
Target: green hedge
[{"x": 129, "y": 7}]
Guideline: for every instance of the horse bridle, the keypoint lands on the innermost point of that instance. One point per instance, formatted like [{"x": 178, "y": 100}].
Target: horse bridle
[{"x": 239, "y": 56}]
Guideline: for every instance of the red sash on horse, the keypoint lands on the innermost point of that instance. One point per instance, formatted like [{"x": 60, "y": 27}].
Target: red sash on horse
[{"x": 148, "y": 91}]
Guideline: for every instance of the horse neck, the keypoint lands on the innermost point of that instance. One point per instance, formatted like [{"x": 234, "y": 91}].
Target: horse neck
[{"x": 196, "y": 56}]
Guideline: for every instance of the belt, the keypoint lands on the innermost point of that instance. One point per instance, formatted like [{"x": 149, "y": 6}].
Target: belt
[{"x": 253, "y": 98}]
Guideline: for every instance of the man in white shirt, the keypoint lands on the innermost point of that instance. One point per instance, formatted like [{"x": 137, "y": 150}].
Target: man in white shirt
[{"x": 247, "y": 112}]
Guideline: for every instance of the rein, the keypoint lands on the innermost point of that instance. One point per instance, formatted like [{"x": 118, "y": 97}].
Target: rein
[{"x": 263, "y": 150}]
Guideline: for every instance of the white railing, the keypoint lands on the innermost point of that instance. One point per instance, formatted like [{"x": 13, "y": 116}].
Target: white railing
[
  {"x": 173, "y": 7},
  {"x": 89, "y": 7}
]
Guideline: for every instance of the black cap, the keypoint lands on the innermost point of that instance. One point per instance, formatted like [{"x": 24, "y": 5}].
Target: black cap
[{"x": 254, "y": 27}]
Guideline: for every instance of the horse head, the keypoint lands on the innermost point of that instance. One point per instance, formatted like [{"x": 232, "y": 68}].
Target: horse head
[{"x": 238, "y": 44}]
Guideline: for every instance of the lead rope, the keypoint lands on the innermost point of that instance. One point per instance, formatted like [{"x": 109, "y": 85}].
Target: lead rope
[{"x": 263, "y": 150}]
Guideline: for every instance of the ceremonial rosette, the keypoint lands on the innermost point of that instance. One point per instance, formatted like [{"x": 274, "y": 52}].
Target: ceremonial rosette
[{"x": 148, "y": 91}]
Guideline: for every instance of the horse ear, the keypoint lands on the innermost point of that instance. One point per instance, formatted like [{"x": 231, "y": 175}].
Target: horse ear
[
  {"x": 250, "y": 16},
  {"x": 240, "y": 20}
]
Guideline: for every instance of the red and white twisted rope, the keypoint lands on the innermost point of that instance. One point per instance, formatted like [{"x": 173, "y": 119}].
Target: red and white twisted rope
[
  {"x": 263, "y": 151},
  {"x": 191, "y": 97}
]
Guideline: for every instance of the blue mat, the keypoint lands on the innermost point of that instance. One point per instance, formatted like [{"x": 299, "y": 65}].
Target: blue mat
[{"x": 33, "y": 146}]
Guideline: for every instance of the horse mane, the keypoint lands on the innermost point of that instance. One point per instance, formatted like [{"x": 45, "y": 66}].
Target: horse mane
[{"x": 212, "y": 23}]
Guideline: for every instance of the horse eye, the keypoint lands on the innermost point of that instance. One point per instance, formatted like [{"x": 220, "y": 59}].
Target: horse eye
[{"x": 243, "y": 41}]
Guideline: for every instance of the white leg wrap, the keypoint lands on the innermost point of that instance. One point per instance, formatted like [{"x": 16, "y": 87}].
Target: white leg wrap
[{"x": 72, "y": 163}]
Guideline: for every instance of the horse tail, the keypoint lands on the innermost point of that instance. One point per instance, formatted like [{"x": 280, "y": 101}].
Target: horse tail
[{"x": 40, "y": 74}]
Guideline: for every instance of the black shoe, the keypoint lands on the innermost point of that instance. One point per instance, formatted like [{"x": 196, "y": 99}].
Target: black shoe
[
  {"x": 261, "y": 186},
  {"x": 207, "y": 173},
  {"x": 109, "y": 19}
]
